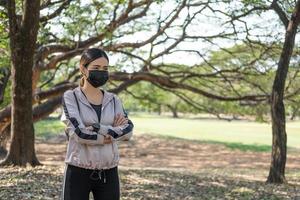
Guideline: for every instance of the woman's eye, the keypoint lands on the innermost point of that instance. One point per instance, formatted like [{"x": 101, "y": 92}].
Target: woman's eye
[{"x": 100, "y": 68}]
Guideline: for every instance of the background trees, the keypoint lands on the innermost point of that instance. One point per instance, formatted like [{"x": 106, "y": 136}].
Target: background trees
[{"x": 218, "y": 57}]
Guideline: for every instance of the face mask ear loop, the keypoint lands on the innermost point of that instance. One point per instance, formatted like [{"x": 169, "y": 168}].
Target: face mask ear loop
[{"x": 82, "y": 74}]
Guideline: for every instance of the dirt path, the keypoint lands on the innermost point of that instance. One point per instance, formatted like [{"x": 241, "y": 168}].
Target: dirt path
[
  {"x": 147, "y": 151},
  {"x": 155, "y": 168}
]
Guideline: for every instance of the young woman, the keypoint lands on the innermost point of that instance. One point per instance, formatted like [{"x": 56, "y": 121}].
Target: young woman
[{"x": 95, "y": 120}]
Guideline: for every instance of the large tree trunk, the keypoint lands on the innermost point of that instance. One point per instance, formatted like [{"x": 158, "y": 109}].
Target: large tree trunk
[
  {"x": 23, "y": 35},
  {"x": 279, "y": 142}
]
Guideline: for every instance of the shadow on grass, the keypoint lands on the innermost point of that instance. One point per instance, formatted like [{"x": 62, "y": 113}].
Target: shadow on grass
[
  {"x": 159, "y": 185},
  {"x": 230, "y": 145},
  {"x": 155, "y": 184}
]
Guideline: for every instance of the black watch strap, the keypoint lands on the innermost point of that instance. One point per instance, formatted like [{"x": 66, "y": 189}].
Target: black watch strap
[{"x": 96, "y": 127}]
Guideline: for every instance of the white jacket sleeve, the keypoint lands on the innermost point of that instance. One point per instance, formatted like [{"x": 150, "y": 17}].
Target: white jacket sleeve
[
  {"x": 123, "y": 132},
  {"x": 75, "y": 129}
]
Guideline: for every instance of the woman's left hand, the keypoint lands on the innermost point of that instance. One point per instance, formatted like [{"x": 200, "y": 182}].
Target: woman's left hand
[
  {"x": 90, "y": 128},
  {"x": 107, "y": 138}
]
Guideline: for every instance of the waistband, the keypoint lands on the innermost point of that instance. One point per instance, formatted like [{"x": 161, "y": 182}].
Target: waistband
[{"x": 95, "y": 173}]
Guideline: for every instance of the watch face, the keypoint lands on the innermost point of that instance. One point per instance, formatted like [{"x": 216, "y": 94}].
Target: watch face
[{"x": 96, "y": 126}]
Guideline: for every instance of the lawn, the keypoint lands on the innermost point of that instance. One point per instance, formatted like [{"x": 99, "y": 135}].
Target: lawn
[{"x": 235, "y": 134}]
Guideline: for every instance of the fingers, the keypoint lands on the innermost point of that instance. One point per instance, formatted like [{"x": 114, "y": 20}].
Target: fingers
[
  {"x": 123, "y": 121},
  {"x": 120, "y": 120},
  {"x": 107, "y": 140},
  {"x": 116, "y": 119},
  {"x": 89, "y": 128}
]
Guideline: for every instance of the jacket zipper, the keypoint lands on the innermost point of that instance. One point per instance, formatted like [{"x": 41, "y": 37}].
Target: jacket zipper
[
  {"x": 99, "y": 120},
  {"x": 112, "y": 143}
]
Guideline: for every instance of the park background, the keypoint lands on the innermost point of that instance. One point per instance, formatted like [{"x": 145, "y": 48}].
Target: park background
[{"x": 212, "y": 88}]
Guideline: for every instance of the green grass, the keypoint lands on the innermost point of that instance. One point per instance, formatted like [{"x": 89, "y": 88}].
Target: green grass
[
  {"x": 47, "y": 128},
  {"x": 231, "y": 145},
  {"x": 241, "y": 135},
  {"x": 45, "y": 182},
  {"x": 235, "y": 134}
]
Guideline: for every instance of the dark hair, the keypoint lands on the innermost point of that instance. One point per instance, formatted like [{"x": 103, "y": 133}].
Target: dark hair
[{"x": 88, "y": 56}]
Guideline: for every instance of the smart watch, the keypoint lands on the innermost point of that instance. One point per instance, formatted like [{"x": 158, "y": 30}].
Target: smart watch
[{"x": 96, "y": 127}]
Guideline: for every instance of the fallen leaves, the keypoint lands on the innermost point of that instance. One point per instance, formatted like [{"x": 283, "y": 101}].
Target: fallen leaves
[{"x": 161, "y": 171}]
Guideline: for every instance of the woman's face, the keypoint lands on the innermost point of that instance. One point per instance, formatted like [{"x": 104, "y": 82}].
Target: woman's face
[{"x": 98, "y": 64}]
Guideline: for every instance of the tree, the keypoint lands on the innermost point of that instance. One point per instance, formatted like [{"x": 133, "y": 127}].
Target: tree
[
  {"x": 22, "y": 34},
  {"x": 279, "y": 142}
]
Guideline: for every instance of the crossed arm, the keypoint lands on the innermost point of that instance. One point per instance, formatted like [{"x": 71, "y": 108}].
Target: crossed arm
[
  {"x": 120, "y": 130},
  {"x": 119, "y": 121}
]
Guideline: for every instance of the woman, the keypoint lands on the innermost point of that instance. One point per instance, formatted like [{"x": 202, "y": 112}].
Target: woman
[{"x": 95, "y": 120}]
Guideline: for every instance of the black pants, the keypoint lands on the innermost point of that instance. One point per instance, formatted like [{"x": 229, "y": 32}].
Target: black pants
[{"x": 79, "y": 182}]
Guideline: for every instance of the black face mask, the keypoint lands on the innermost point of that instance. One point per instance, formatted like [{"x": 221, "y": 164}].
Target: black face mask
[{"x": 97, "y": 78}]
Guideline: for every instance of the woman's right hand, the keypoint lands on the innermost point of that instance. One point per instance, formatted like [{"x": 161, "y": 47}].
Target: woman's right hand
[{"x": 107, "y": 139}]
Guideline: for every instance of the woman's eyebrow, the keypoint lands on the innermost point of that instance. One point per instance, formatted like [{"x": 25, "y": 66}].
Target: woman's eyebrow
[{"x": 100, "y": 66}]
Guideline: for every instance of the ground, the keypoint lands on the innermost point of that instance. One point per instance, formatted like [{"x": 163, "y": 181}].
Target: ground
[{"x": 158, "y": 167}]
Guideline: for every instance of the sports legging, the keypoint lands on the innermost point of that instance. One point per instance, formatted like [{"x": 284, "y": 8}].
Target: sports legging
[{"x": 79, "y": 182}]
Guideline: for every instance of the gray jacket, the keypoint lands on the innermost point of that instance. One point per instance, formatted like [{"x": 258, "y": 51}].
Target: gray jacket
[{"x": 86, "y": 147}]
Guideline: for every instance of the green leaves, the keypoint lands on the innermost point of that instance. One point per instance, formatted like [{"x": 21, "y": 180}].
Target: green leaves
[{"x": 255, "y": 2}]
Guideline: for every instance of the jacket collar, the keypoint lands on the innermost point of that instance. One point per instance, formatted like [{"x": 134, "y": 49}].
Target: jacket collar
[{"x": 81, "y": 96}]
